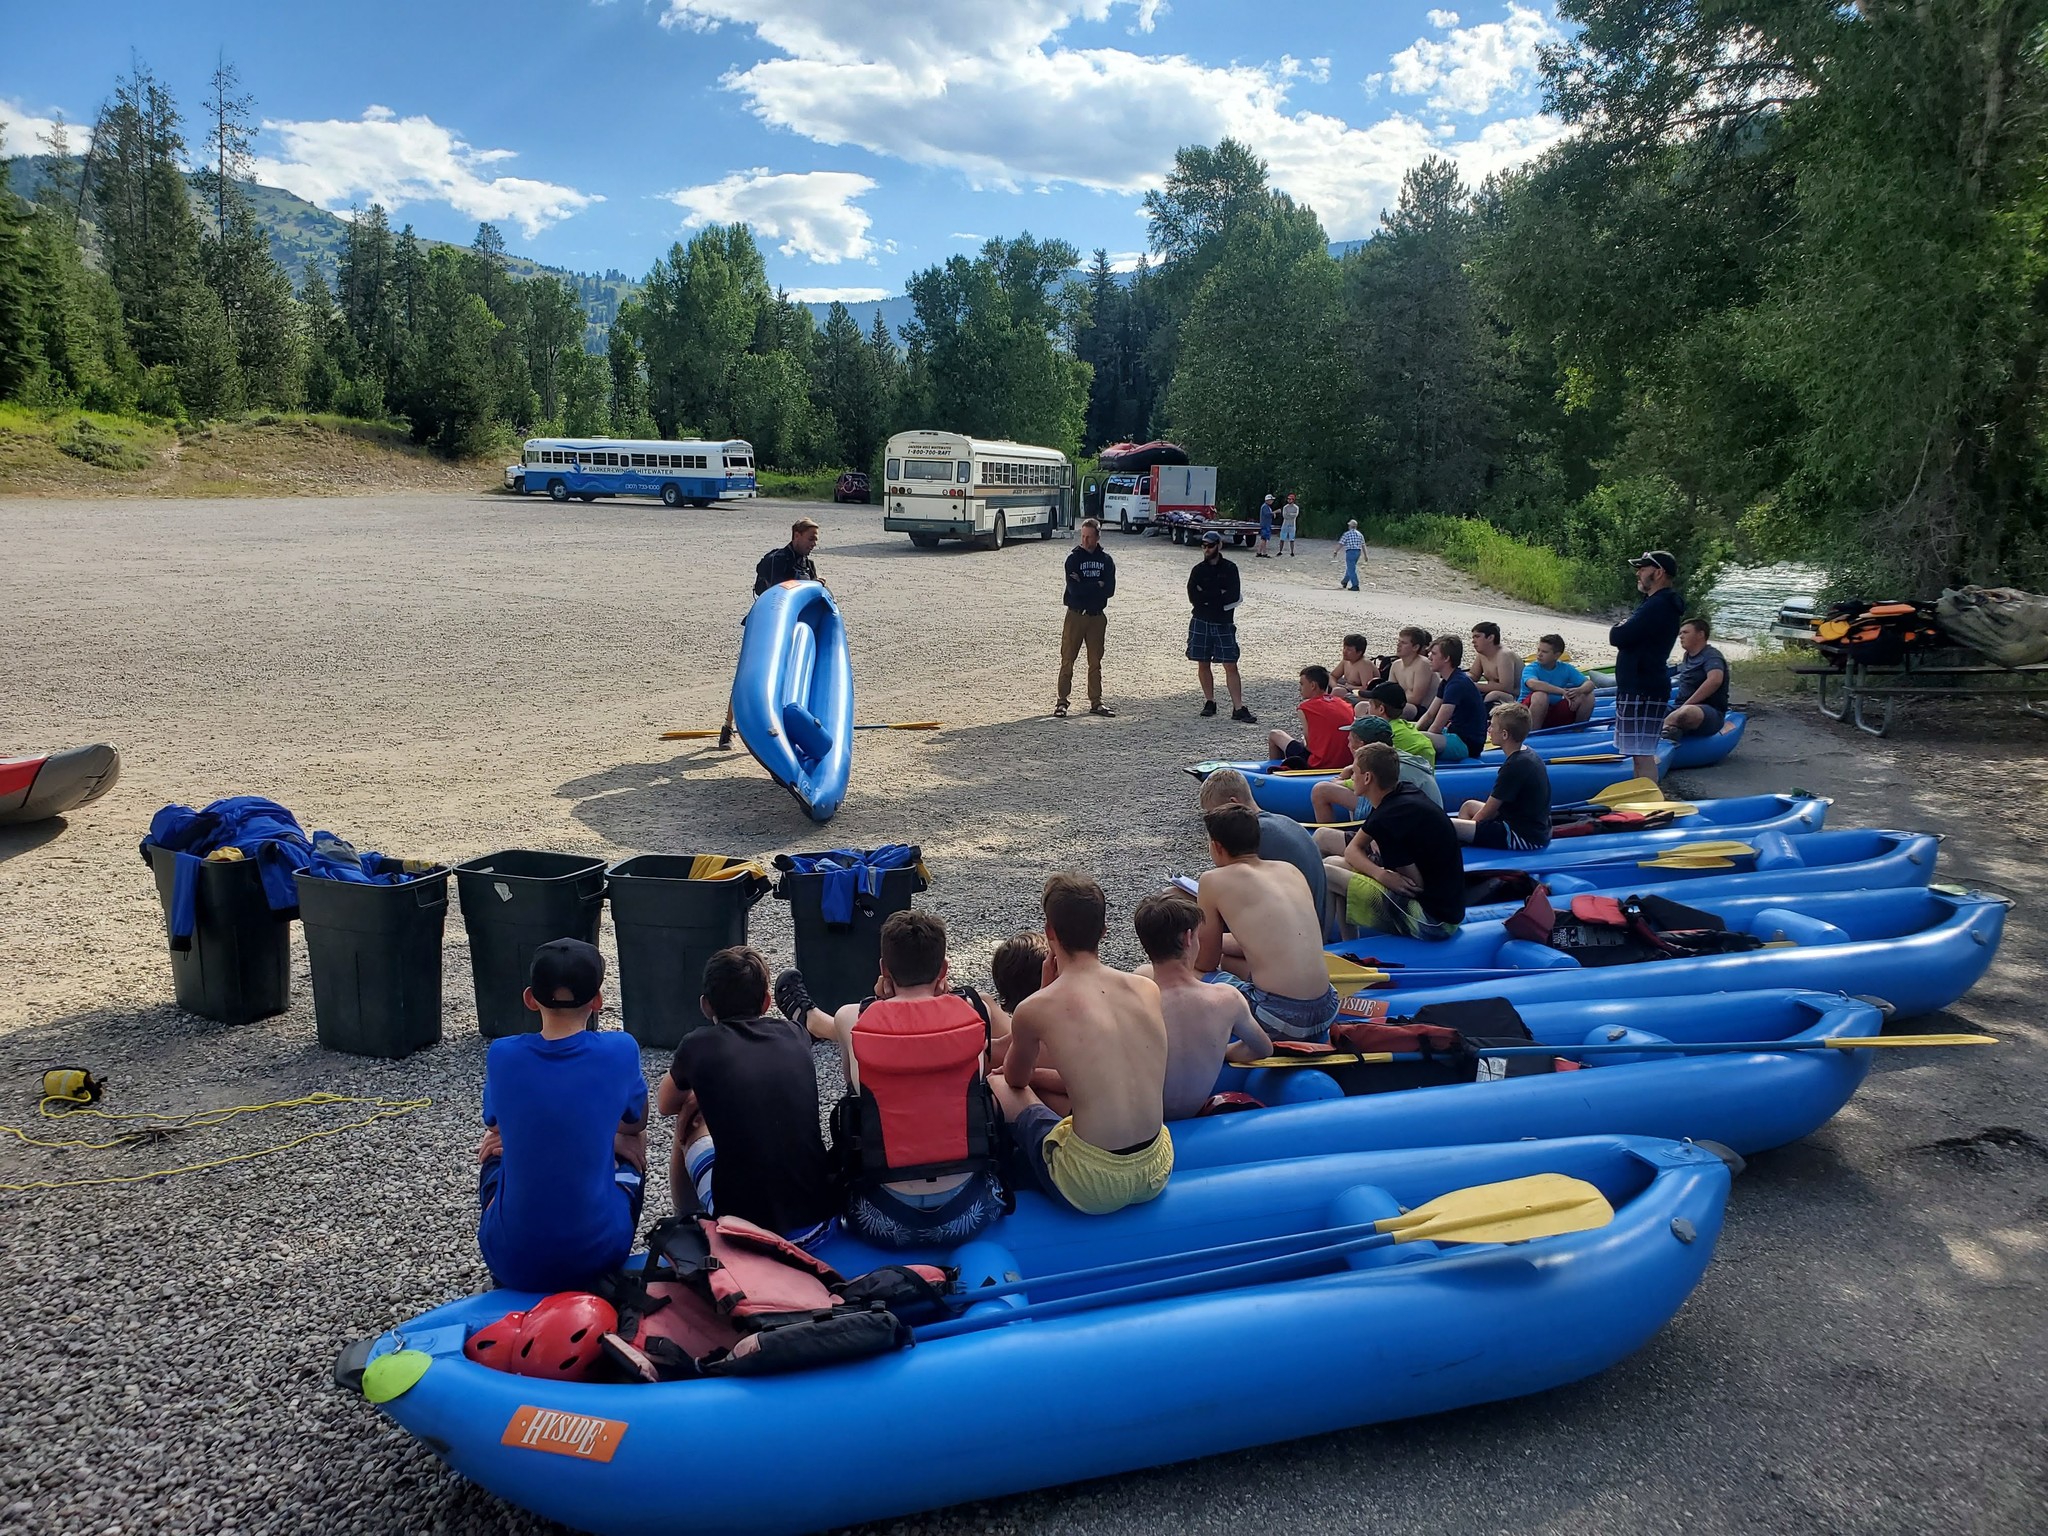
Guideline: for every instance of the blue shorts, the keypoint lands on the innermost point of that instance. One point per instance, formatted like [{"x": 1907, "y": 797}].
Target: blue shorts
[
  {"x": 1496, "y": 834},
  {"x": 1710, "y": 721},
  {"x": 628, "y": 1178},
  {"x": 700, "y": 1161},
  {"x": 1212, "y": 642},
  {"x": 890, "y": 1219},
  {"x": 1454, "y": 749},
  {"x": 1285, "y": 1018}
]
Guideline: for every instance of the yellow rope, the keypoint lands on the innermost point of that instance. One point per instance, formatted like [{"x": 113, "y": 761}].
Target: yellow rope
[{"x": 163, "y": 1125}]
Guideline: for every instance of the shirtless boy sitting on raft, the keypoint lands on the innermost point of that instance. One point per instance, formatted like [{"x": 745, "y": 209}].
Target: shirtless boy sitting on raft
[
  {"x": 1268, "y": 909},
  {"x": 1207, "y": 1023},
  {"x": 1106, "y": 1031}
]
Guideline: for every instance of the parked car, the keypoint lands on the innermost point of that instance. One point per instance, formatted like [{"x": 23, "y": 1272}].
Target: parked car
[{"x": 852, "y": 486}]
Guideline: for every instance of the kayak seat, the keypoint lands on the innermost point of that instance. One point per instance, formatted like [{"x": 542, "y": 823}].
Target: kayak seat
[
  {"x": 1363, "y": 1203},
  {"x": 806, "y": 733},
  {"x": 1526, "y": 955},
  {"x": 1783, "y": 925},
  {"x": 1774, "y": 850}
]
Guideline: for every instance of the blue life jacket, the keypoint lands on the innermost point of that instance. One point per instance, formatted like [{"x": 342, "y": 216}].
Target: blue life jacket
[{"x": 849, "y": 873}]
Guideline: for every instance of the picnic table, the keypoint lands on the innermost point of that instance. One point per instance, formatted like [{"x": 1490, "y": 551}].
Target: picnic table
[{"x": 1849, "y": 689}]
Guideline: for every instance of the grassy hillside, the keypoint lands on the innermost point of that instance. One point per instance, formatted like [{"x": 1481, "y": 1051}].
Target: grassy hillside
[
  {"x": 302, "y": 232},
  {"x": 86, "y": 454}
]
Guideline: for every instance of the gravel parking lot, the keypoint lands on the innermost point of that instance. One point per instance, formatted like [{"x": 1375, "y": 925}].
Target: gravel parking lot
[{"x": 449, "y": 675}]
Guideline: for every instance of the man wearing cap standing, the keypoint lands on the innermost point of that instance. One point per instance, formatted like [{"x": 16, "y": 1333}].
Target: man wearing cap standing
[
  {"x": 1091, "y": 583},
  {"x": 1642, "y": 647},
  {"x": 791, "y": 562},
  {"x": 564, "y": 1153},
  {"x": 1214, "y": 593}
]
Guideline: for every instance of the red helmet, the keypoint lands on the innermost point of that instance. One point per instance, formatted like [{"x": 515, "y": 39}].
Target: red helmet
[
  {"x": 561, "y": 1338},
  {"x": 494, "y": 1344}
]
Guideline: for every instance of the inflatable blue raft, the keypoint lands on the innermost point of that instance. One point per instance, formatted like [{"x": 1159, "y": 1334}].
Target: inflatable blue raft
[
  {"x": 1390, "y": 1333},
  {"x": 1748, "y": 1101},
  {"x": 1746, "y": 816},
  {"x": 1289, "y": 793},
  {"x": 1918, "y": 949},
  {"x": 792, "y": 696},
  {"x": 1850, "y": 860}
]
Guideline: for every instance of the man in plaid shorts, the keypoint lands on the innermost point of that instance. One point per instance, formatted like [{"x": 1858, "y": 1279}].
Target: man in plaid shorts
[
  {"x": 1642, "y": 646},
  {"x": 1214, "y": 593}
]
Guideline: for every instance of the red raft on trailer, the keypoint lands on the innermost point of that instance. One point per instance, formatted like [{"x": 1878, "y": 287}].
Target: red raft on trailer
[{"x": 39, "y": 787}]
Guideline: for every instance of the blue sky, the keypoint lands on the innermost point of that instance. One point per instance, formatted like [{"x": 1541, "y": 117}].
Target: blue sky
[{"x": 862, "y": 139}]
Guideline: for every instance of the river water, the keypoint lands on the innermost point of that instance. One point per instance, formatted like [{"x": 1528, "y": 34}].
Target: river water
[{"x": 1745, "y": 598}]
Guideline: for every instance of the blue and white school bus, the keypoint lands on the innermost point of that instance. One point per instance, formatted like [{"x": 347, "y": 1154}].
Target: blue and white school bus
[{"x": 691, "y": 474}]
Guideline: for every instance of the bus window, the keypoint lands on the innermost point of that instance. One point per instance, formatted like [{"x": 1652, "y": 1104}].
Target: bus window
[
  {"x": 639, "y": 461},
  {"x": 931, "y": 469},
  {"x": 961, "y": 472},
  {"x": 893, "y": 470}
]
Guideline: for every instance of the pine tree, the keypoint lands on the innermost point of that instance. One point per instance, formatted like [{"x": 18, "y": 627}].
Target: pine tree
[
  {"x": 149, "y": 238},
  {"x": 20, "y": 349}
]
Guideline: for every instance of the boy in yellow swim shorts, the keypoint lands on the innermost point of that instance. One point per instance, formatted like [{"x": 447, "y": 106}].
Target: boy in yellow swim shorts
[{"x": 1105, "y": 1029}]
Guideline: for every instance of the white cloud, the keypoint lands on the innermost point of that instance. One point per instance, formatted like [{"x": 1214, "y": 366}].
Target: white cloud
[
  {"x": 1470, "y": 67},
  {"x": 842, "y": 295},
  {"x": 1149, "y": 12},
  {"x": 26, "y": 130},
  {"x": 984, "y": 88},
  {"x": 1316, "y": 71},
  {"x": 813, "y": 213},
  {"x": 395, "y": 160},
  {"x": 1125, "y": 261},
  {"x": 961, "y": 234}
]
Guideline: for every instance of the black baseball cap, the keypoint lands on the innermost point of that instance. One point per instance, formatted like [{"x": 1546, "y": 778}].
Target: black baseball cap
[
  {"x": 567, "y": 973},
  {"x": 1392, "y": 695},
  {"x": 1212, "y": 537},
  {"x": 1662, "y": 558}
]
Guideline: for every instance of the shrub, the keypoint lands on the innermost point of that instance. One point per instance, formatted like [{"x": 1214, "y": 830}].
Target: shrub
[{"x": 102, "y": 449}]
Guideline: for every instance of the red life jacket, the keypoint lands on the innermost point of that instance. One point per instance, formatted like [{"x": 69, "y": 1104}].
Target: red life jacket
[{"x": 923, "y": 1108}]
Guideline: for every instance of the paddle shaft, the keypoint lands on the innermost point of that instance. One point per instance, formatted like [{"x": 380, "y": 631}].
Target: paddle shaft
[
  {"x": 1229, "y": 1274},
  {"x": 900, "y": 725},
  {"x": 1620, "y": 1047}
]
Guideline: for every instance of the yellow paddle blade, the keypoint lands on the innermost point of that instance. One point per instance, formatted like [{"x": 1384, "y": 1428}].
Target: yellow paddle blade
[
  {"x": 1512, "y": 1211},
  {"x": 1334, "y": 1059},
  {"x": 1857, "y": 1043},
  {"x": 1589, "y": 757},
  {"x": 1689, "y": 864},
  {"x": 687, "y": 735},
  {"x": 1628, "y": 789},
  {"x": 906, "y": 725},
  {"x": 1348, "y": 976}
]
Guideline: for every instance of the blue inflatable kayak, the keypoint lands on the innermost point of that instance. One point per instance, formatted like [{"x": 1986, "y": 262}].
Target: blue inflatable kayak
[
  {"x": 1850, "y": 860},
  {"x": 1744, "y": 816},
  {"x": 1391, "y": 1333},
  {"x": 1918, "y": 949},
  {"x": 792, "y": 696},
  {"x": 1749, "y": 1101}
]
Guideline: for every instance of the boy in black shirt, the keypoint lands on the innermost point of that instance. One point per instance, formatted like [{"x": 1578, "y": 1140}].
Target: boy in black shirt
[
  {"x": 1403, "y": 873},
  {"x": 1516, "y": 816},
  {"x": 748, "y": 1080}
]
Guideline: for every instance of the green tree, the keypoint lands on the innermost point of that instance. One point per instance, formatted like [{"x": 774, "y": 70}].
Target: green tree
[
  {"x": 851, "y": 387},
  {"x": 626, "y": 375},
  {"x": 982, "y": 354},
  {"x": 148, "y": 237},
  {"x": 554, "y": 341},
  {"x": 1261, "y": 390},
  {"x": 21, "y": 353},
  {"x": 699, "y": 311},
  {"x": 448, "y": 389},
  {"x": 209, "y": 379}
]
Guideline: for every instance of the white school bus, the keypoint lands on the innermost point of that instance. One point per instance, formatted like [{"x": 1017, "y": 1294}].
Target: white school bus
[{"x": 940, "y": 485}]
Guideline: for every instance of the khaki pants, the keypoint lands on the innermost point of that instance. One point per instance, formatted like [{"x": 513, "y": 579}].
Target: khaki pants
[{"x": 1082, "y": 629}]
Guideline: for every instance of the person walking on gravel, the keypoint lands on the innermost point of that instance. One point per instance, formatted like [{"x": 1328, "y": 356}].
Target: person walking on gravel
[
  {"x": 792, "y": 562},
  {"x": 1214, "y": 593},
  {"x": 1091, "y": 583},
  {"x": 1642, "y": 648},
  {"x": 1351, "y": 545}
]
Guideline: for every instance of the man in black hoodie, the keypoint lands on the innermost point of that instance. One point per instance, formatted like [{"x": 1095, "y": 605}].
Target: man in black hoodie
[
  {"x": 1214, "y": 593},
  {"x": 1642, "y": 651},
  {"x": 1091, "y": 583}
]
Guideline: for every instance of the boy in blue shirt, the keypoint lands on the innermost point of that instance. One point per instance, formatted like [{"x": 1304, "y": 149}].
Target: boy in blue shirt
[
  {"x": 565, "y": 1153},
  {"x": 1553, "y": 690},
  {"x": 1456, "y": 722}
]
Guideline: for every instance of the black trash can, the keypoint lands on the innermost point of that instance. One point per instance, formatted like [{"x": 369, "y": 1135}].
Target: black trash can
[
  {"x": 376, "y": 953},
  {"x": 840, "y": 960},
  {"x": 512, "y": 903},
  {"x": 238, "y": 965},
  {"x": 668, "y": 925}
]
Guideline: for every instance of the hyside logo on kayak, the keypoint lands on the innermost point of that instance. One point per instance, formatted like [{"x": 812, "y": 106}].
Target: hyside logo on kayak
[{"x": 564, "y": 1434}]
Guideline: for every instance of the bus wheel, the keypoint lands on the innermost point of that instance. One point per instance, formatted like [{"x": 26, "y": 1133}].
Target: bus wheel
[
  {"x": 557, "y": 491},
  {"x": 996, "y": 534},
  {"x": 671, "y": 496},
  {"x": 588, "y": 496},
  {"x": 925, "y": 540},
  {"x": 1045, "y": 529}
]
